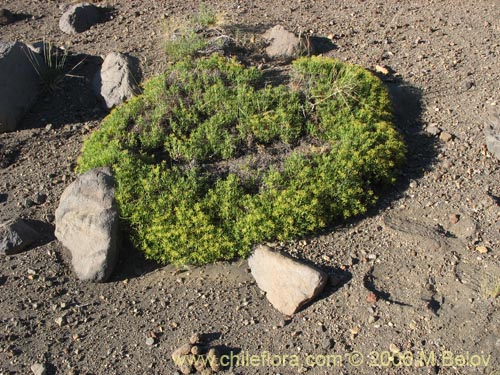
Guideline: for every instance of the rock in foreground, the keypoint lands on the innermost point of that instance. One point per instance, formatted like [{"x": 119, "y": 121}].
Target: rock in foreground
[
  {"x": 15, "y": 236},
  {"x": 87, "y": 224},
  {"x": 19, "y": 83},
  {"x": 288, "y": 283},
  {"x": 115, "y": 82}
]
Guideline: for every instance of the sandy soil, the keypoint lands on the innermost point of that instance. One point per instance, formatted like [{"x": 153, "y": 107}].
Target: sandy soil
[{"x": 430, "y": 280}]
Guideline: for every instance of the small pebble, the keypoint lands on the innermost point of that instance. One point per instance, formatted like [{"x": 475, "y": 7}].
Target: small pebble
[
  {"x": 394, "y": 348},
  {"x": 195, "y": 338},
  {"x": 38, "y": 369},
  {"x": 482, "y": 249},
  {"x": 60, "y": 321},
  {"x": 445, "y": 137},
  {"x": 454, "y": 218},
  {"x": 150, "y": 341},
  {"x": 371, "y": 298}
]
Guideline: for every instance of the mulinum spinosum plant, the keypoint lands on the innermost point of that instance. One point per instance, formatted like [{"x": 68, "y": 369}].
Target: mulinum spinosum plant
[{"x": 209, "y": 160}]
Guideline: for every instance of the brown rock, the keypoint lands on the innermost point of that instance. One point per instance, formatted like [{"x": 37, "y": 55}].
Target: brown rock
[
  {"x": 381, "y": 69},
  {"x": 186, "y": 368},
  {"x": 181, "y": 351},
  {"x": 200, "y": 364},
  {"x": 289, "y": 284},
  {"x": 454, "y": 218},
  {"x": 196, "y": 350},
  {"x": 371, "y": 298},
  {"x": 445, "y": 136},
  {"x": 195, "y": 338}
]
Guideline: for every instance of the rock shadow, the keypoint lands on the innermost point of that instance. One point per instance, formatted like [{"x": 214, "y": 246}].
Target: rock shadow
[
  {"x": 131, "y": 262},
  {"x": 67, "y": 97},
  {"x": 7, "y": 17}
]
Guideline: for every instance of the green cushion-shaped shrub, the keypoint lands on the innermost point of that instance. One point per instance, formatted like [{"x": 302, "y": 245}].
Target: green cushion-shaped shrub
[{"x": 210, "y": 161}]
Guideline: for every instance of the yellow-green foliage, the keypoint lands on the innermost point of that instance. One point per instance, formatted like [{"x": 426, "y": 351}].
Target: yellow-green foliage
[{"x": 205, "y": 111}]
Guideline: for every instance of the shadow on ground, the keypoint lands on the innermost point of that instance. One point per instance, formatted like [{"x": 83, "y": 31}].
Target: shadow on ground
[{"x": 68, "y": 99}]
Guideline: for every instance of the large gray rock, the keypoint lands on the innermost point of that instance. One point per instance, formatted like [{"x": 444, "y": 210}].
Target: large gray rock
[
  {"x": 15, "y": 236},
  {"x": 19, "y": 82},
  {"x": 288, "y": 283},
  {"x": 87, "y": 224},
  {"x": 492, "y": 132},
  {"x": 115, "y": 82},
  {"x": 282, "y": 43},
  {"x": 78, "y": 18}
]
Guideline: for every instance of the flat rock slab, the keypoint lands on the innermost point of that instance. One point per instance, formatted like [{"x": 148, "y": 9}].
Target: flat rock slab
[
  {"x": 282, "y": 43},
  {"x": 289, "y": 284},
  {"x": 15, "y": 236},
  {"x": 115, "y": 82},
  {"x": 19, "y": 83},
  {"x": 78, "y": 18},
  {"x": 87, "y": 224},
  {"x": 492, "y": 132}
]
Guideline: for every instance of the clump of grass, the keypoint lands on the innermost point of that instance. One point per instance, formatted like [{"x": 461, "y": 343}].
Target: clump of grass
[
  {"x": 51, "y": 65},
  {"x": 185, "y": 37},
  {"x": 167, "y": 148}
]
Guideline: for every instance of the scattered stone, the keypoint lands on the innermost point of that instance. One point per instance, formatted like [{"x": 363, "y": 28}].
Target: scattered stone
[
  {"x": 87, "y": 224},
  {"x": 6, "y": 17},
  {"x": 195, "y": 339},
  {"x": 181, "y": 351},
  {"x": 482, "y": 249},
  {"x": 454, "y": 218},
  {"x": 382, "y": 70},
  {"x": 196, "y": 349},
  {"x": 200, "y": 364},
  {"x": 445, "y": 137},
  {"x": 115, "y": 82},
  {"x": 492, "y": 132},
  {"x": 150, "y": 341},
  {"x": 78, "y": 18},
  {"x": 15, "y": 236},
  {"x": 354, "y": 332},
  {"x": 432, "y": 129},
  {"x": 189, "y": 356},
  {"x": 19, "y": 82},
  {"x": 38, "y": 369},
  {"x": 394, "y": 348},
  {"x": 282, "y": 43},
  {"x": 372, "y": 319},
  {"x": 60, "y": 321},
  {"x": 371, "y": 298},
  {"x": 288, "y": 283}
]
